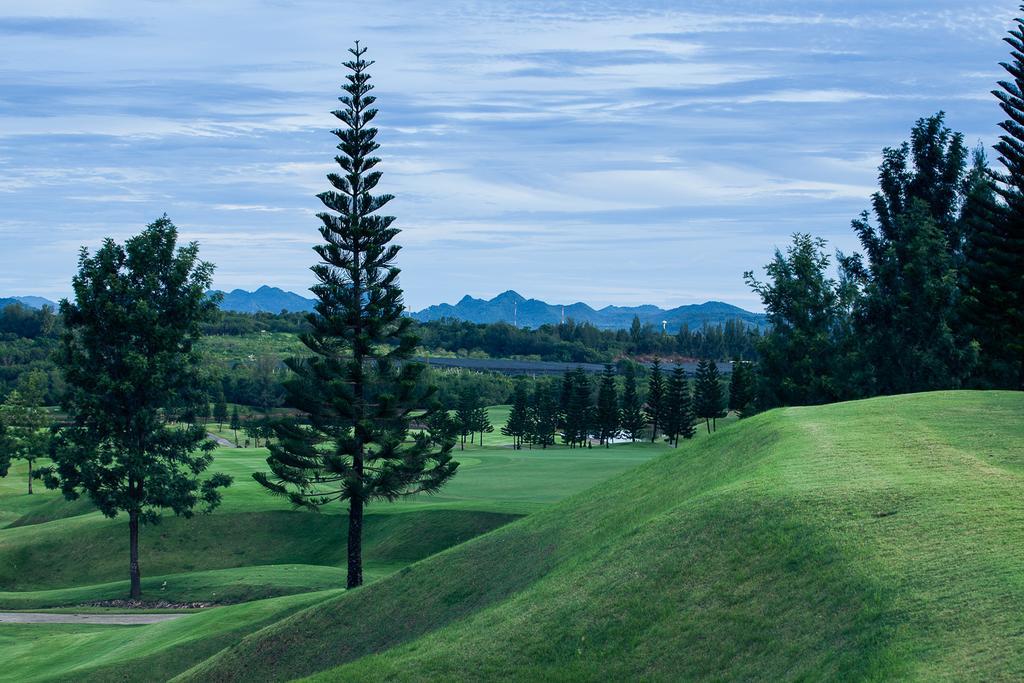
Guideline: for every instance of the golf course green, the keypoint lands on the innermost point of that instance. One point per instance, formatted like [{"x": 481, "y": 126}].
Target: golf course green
[{"x": 875, "y": 539}]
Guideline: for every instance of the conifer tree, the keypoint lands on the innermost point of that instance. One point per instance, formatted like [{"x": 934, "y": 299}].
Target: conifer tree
[
  {"x": 442, "y": 428},
  {"x": 986, "y": 301},
  {"x": 578, "y": 414},
  {"x": 655, "y": 406},
  {"x": 607, "y": 419},
  {"x": 482, "y": 422},
  {"x": 517, "y": 426},
  {"x": 220, "y": 410},
  {"x": 236, "y": 422},
  {"x": 687, "y": 416},
  {"x": 708, "y": 402},
  {"x": 5, "y": 451},
  {"x": 633, "y": 419},
  {"x": 741, "y": 388},
  {"x": 25, "y": 422},
  {"x": 465, "y": 418},
  {"x": 544, "y": 415},
  {"x": 678, "y": 414},
  {"x": 565, "y": 396},
  {"x": 129, "y": 359},
  {"x": 1006, "y": 245},
  {"x": 905, "y": 319},
  {"x": 360, "y": 388}
]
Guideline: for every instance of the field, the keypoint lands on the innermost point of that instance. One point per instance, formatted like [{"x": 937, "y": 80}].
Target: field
[
  {"x": 876, "y": 539},
  {"x": 253, "y": 549}
]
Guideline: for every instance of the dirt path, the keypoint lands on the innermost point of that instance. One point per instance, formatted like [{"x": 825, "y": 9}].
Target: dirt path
[
  {"x": 221, "y": 441},
  {"x": 110, "y": 619}
]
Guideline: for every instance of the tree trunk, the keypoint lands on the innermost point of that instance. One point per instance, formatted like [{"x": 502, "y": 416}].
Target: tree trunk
[
  {"x": 30, "y": 477},
  {"x": 355, "y": 543},
  {"x": 133, "y": 554}
]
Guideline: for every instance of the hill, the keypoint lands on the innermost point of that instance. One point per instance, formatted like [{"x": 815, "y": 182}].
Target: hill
[
  {"x": 876, "y": 539},
  {"x": 512, "y": 307},
  {"x": 264, "y": 300},
  {"x": 36, "y": 302}
]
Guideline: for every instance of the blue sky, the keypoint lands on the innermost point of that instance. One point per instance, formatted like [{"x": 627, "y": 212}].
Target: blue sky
[{"x": 610, "y": 152}]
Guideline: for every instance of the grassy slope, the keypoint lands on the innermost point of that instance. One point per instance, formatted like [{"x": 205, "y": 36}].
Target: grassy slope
[
  {"x": 155, "y": 652},
  {"x": 875, "y": 539},
  {"x": 236, "y": 554},
  {"x": 247, "y": 549}
]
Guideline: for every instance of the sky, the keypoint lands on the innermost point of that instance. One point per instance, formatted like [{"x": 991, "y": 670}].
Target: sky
[{"x": 608, "y": 152}]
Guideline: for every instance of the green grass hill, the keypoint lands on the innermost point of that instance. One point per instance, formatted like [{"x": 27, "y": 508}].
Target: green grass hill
[{"x": 877, "y": 539}]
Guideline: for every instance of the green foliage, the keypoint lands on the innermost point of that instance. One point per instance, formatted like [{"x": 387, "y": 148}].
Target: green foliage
[
  {"x": 607, "y": 419},
  {"x": 743, "y": 388},
  {"x": 679, "y": 411},
  {"x": 358, "y": 390},
  {"x": 24, "y": 434},
  {"x": 1002, "y": 247},
  {"x": 655, "y": 406},
  {"x": 822, "y": 538},
  {"x": 633, "y": 418},
  {"x": 220, "y": 410},
  {"x": 578, "y": 408},
  {"x": 518, "y": 426},
  {"x": 798, "y": 356},
  {"x": 573, "y": 342},
  {"x": 128, "y": 356},
  {"x": 906, "y": 314},
  {"x": 544, "y": 415},
  {"x": 708, "y": 401}
]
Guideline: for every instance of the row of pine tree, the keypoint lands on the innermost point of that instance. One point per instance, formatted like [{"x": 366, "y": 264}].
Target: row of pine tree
[{"x": 577, "y": 414}]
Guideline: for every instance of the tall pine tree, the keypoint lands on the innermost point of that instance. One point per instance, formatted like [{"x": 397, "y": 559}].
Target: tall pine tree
[
  {"x": 1005, "y": 246},
  {"x": 632, "y": 411},
  {"x": 607, "y": 418},
  {"x": 708, "y": 401},
  {"x": 359, "y": 387},
  {"x": 655, "y": 406},
  {"x": 544, "y": 415},
  {"x": 518, "y": 424},
  {"x": 678, "y": 418}
]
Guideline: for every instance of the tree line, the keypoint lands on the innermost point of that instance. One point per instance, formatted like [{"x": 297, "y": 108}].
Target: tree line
[
  {"x": 581, "y": 412},
  {"x": 936, "y": 298}
]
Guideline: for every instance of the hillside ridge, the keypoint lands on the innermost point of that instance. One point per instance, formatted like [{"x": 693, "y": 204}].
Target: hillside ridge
[{"x": 872, "y": 539}]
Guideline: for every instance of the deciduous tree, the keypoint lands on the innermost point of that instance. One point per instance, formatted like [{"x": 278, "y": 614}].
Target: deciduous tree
[{"x": 128, "y": 356}]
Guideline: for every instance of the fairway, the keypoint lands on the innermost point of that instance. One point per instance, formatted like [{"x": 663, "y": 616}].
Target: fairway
[
  {"x": 250, "y": 547},
  {"x": 868, "y": 540},
  {"x": 874, "y": 539}
]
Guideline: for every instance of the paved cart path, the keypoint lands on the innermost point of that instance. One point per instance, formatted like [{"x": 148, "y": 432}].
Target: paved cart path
[
  {"x": 111, "y": 619},
  {"x": 220, "y": 440}
]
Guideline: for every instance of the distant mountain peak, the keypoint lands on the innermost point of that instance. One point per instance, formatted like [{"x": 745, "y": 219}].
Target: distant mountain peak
[
  {"x": 534, "y": 313},
  {"x": 265, "y": 299},
  {"x": 509, "y": 296}
]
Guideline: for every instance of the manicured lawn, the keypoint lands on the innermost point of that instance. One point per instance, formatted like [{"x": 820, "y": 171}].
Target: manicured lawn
[
  {"x": 253, "y": 529},
  {"x": 871, "y": 540}
]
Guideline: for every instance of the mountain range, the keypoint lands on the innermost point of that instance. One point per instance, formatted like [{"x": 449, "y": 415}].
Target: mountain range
[
  {"x": 265, "y": 299},
  {"x": 36, "y": 302},
  {"x": 510, "y": 307}
]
